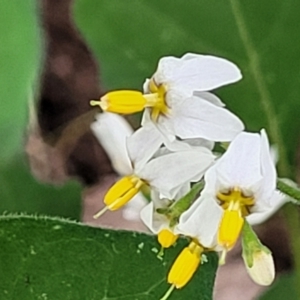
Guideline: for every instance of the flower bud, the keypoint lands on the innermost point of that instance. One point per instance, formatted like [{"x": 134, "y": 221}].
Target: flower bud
[
  {"x": 262, "y": 270},
  {"x": 258, "y": 258}
]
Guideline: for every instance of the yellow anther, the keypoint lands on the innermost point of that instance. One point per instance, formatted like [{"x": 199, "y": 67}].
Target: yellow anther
[
  {"x": 230, "y": 228},
  {"x": 121, "y": 193},
  {"x": 122, "y": 102},
  {"x": 167, "y": 238},
  {"x": 185, "y": 265},
  {"x": 236, "y": 204},
  {"x": 128, "y": 102}
]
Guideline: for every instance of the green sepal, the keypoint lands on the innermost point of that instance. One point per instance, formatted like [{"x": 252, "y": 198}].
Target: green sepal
[
  {"x": 174, "y": 211},
  {"x": 251, "y": 244}
]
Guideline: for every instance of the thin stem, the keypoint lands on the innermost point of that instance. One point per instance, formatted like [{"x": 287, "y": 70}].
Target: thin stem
[
  {"x": 290, "y": 211},
  {"x": 168, "y": 293},
  {"x": 289, "y": 190},
  {"x": 259, "y": 78}
]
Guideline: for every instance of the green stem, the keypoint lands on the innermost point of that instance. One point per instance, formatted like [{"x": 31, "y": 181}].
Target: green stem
[
  {"x": 180, "y": 206},
  {"x": 185, "y": 202},
  {"x": 290, "y": 211},
  {"x": 259, "y": 79},
  {"x": 288, "y": 190}
]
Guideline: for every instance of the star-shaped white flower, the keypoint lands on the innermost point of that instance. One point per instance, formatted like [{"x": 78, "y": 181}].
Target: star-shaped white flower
[
  {"x": 163, "y": 171},
  {"x": 241, "y": 184},
  {"x": 176, "y": 98}
]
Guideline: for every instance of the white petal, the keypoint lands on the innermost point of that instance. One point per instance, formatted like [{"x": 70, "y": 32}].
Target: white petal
[
  {"x": 146, "y": 86},
  {"x": 154, "y": 221},
  {"x": 240, "y": 165},
  {"x": 201, "y": 220},
  {"x": 111, "y": 131},
  {"x": 203, "y": 73},
  {"x": 167, "y": 67},
  {"x": 143, "y": 144},
  {"x": 168, "y": 172},
  {"x": 132, "y": 210},
  {"x": 197, "y": 118},
  {"x": 164, "y": 127},
  {"x": 264, "y": 213},
  {"x": 213, "y": 99},
  {"x": 199, "y": 142},
  {"x": 268, "y": 169}
]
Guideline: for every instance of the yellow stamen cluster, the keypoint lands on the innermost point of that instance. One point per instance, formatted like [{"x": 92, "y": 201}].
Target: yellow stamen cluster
[
  {"x": 121, "y": 193},
  {"x": 128, "y": 101},
  {"x": 167, "y": 238},
  {"x": 160, "y": 106},
  {"x": 236, "y": 206}
]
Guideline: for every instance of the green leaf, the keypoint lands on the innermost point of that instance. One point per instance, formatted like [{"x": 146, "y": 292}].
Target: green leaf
[
  {"x": 19, "y": 62},
  {"x": 43, "y": 258},
  {"x": 20, "y": 192},
  {"x": 284, "y": 288},
  {"x": 129, "y": 37}
]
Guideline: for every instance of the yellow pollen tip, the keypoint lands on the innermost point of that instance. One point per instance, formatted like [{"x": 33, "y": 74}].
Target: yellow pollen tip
[
  {"x": 167, "y": 238},
  {"x": 95, "y": 102},
  {"x": 122, "y": 192},
  {"x": 230, "y": 228},
  {"x": 185, "y": 265}
]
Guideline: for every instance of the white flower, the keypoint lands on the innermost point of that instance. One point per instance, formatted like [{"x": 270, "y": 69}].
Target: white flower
[
  {"x": 195, "y": 72},
  {"x": 241, "y": 184},
  {"x": 177, "y": 100},
  {"x": 189, "y": 111},
  {"x": 165, "y": 174}
]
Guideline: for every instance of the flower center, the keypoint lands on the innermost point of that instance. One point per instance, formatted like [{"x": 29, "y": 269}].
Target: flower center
[
  {"x": 236, "y": 205},
  {"x": 159, "y": 106},
  {"x": 128, "y": 101},
  {"x": 121, "y": 193}
]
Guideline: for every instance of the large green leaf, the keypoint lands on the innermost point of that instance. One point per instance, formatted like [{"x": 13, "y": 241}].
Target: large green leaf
[
  {"x": 19, "y": 62},
  {"x": 52, "y": 259},
  {"x": 129, "y": 37}
]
